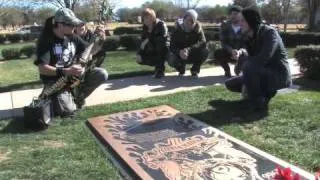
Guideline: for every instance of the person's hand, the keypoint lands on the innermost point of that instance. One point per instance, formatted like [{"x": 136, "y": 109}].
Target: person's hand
[
  {"x": 184, "y": 54},
  {"x": 144, "y": 43},
  {"x": 100, "y": 31},
  {"x": 74, "y": 70},
  {"x": 235, "y": 54},
  {"x": 243, "y": 52}
]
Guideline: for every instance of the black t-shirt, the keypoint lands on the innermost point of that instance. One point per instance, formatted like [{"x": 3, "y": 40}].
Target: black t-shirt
[{"x": 59, "y": 52}]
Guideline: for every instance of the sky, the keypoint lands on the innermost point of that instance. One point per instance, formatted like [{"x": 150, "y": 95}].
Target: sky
[{"x": 138, "y": 3}]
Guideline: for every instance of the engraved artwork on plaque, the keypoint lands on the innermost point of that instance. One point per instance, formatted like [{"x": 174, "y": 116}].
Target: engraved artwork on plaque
[{"x": 163, "y": 143}]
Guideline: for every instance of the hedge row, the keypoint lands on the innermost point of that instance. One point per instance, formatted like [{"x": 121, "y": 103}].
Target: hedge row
[
  {"x": 294, "y": 39},
  {"x": 308, "y": 58},
  {"x": 129, "y": 42},
  {"x": 16, "y": 53},
  {"x": 15, "y": 38},
  {"x": 291, "y": 39},
  {"x": 138, "y": 30},
  {"x": 112, "y": 43}
]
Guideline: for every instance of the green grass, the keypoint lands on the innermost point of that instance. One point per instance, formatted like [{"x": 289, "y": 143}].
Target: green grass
[
  {"x": 291, "y": 52},
  {"x": 291, "y": 132}
]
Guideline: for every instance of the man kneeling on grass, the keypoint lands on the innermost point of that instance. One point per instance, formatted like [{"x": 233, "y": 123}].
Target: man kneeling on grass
[
  {"x": 58, "y": 53},
  {"x": 265, "y": 67},
  {"x": 188, "y": 44},
  {"x": 154, "y": 47}
]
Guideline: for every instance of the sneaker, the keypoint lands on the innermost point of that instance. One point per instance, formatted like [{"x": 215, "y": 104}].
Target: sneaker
[
  {"x": 181, "y": 74},
  {"x": 194, "y": 74},
  {"x": 158, "y": 75},
  {"x": 260, "y": 104},
  {"x": 80, "y": 103},
  {"x": 181, "y": 71}
]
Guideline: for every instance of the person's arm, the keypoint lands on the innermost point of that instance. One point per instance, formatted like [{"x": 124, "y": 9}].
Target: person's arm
[
  {"x": 48, "y": 70},
  {"x": 173, "y": 42},
  {"x": 223, "y": 34},
  {"x": 43, "y": 61},
  {"x": 269, "y": 46},
  {"x": 161, "y": 38},
  {"x": 201, "y": 40}
]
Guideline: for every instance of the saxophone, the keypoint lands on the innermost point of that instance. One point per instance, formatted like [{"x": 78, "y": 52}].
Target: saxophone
[{"x": 85, "y": 61}]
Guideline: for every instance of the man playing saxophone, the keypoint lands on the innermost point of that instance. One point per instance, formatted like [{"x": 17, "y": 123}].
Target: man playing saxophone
[{"x": 58, "y": 52}]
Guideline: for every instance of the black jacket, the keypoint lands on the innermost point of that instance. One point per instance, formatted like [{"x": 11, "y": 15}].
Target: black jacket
[
  {"x": 266, "y": 49},
  {"x": 181, "y": 39},
  {"x": 158, "y": 38},
  {"x": 230, "y": 39}
]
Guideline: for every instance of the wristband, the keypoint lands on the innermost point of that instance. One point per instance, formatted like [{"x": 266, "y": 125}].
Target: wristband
[{"x": 59, "y": 71}]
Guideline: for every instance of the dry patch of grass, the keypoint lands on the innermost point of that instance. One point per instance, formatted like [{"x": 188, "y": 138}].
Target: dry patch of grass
[
  {"x": 54, "y": 144},
  {"x": 4, "y": 155}
]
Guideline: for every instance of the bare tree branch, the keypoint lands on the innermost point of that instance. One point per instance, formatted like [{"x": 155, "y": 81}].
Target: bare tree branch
[{"x": 195, "y": 5}]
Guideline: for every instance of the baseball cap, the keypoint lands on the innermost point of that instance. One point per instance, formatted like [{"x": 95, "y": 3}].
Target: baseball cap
[{"x": 66, "y": 16}]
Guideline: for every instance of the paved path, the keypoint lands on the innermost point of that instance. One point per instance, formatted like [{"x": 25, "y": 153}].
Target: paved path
[{"x": 118, "y": 90}]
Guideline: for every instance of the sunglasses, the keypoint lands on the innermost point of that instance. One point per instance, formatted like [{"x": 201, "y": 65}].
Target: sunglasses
[{"x": 69, "y": 25}]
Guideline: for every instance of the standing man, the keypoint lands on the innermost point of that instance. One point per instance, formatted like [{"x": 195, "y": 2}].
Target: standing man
[
  {"x": 265, "y": 67},
  {"x": 58, "y": 50},
  {"x": 231, "y": 40},
  {"x": 188, "y": 44}
]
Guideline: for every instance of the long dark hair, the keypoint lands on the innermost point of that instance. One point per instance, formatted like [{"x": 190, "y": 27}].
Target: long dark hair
[{"x": 46, "y": 35}]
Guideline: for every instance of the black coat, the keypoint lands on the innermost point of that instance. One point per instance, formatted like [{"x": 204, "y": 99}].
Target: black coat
[
  {"x": 158, "y": 39},
  {"x": 267, "y": 50}
]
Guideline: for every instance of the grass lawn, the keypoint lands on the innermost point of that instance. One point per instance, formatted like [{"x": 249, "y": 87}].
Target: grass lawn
[{"x": 67, "y": 150}]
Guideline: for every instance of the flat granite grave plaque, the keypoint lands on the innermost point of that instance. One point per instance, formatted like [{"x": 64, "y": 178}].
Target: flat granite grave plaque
[{"x": 163, "y": 143}]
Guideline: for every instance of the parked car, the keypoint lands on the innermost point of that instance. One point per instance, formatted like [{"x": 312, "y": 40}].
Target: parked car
[{"x": 34, "y": 30}]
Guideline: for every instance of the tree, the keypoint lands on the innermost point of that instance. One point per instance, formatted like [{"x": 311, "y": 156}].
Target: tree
[
  {"x": 186, "y": 4},
  {"x": 245, "y": 3},
  {"x": 123, "y": 14},
  {"x": 271, "y": 12},
  {"x": 12, "y": 16},
  {"x": 213, "y": 14},
  {"x": 163, "y": 9},
  {"x": 313, "y": 7},
  {"x": 44, "y": 13},
  {"x": 70, "y": 4}
]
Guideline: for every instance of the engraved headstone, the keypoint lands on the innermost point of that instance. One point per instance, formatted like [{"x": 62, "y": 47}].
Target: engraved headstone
[{"x": 163, "y": 143}]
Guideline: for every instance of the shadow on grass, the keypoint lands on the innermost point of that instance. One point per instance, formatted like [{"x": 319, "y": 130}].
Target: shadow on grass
[
  {"x": 21, "y": 86},
  {"x": 129, "y": 74},
  {"x": 38, "y": 84},
  {"x": 225, "y": 112},
  {"x": 167, "y": 82},
  {"x": 16, "y": 126}
]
